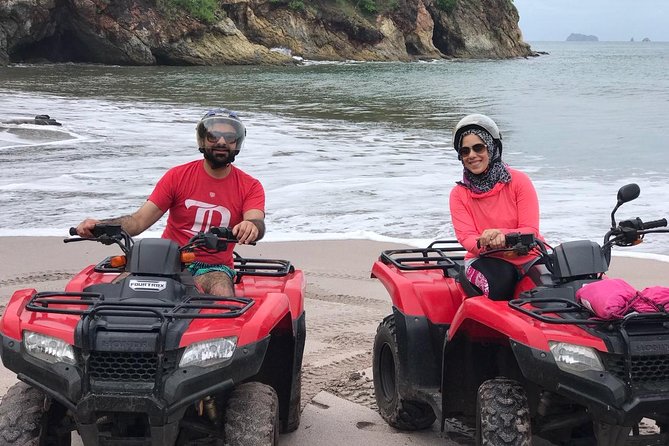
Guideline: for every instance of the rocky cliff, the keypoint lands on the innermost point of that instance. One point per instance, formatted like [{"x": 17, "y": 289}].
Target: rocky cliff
[{"x": 141, "y": 32}]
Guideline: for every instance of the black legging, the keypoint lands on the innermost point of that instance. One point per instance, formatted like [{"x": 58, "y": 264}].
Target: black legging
[{"x": 501, "y": 275}]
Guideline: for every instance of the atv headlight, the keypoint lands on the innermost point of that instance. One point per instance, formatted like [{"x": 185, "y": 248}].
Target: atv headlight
[
  {"x": 575, "y": 358},
  {"x": 206, "y": 353},
  {"x": 48, "y": 348}
]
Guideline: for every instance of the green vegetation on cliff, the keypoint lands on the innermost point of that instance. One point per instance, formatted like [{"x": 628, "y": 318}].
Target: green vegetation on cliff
[{"x": 204, "y": 10}]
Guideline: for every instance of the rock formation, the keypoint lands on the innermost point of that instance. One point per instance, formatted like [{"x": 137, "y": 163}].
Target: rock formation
[
  {"x": 575, "y": 37},
  {"x": 140, "y": 32}
]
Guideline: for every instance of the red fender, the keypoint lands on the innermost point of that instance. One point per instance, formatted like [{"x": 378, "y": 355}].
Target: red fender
[
  {"x": 421, "y": 293},
  {"x": 498, "y": 317}
]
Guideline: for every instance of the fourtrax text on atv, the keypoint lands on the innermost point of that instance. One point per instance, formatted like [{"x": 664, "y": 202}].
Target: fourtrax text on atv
[
  {"x": 535, "y": 364},
  {"x": 131, "y": 353}
]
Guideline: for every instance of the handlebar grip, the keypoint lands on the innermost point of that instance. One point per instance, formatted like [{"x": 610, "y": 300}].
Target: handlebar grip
[
  {"x": 73, "y": 231},
  {"x": 655, "y": 224}
]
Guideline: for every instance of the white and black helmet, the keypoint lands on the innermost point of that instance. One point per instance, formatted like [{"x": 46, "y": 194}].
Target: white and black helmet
[
  {"x": 221, "y": 116},
  {"x": 477, "y": 121}
]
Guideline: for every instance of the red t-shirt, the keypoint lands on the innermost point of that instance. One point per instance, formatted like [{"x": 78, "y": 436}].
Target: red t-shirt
[{"x": 196, "y": 202}]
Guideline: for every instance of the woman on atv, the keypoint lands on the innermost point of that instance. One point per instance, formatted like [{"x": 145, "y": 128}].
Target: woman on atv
[{"x": 491, "y": 201}]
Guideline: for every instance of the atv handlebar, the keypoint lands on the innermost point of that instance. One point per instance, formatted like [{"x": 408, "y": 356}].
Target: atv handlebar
[
  {"x": 655, "y": 224},
  {"x": 107, "y": 235},
  {"x": 631, "y": 232},
  {"x": 214, "y": 240},
  {"x": 520, "y": 244}
]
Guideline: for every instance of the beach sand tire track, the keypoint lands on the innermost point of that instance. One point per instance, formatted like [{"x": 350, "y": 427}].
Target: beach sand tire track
[
  {"x": 347, "y": 299},
  {"x": 46, "y": 276},
  {"x": 315, "y": 379}
]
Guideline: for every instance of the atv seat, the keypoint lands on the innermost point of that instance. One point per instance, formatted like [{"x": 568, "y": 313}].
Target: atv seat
[{"x": 469, "y": 288}]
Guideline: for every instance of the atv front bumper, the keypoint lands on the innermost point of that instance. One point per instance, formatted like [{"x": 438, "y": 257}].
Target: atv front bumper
[
  {"x": 164, "y": 404},
  {"x": 606, "y": 396}
]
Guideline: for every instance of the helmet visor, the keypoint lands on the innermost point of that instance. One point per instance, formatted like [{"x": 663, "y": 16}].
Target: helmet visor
[{"x": 219, "y": 129}]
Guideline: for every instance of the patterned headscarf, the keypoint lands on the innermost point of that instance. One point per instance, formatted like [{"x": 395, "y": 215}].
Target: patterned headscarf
[{"x": 496, "y": 171}]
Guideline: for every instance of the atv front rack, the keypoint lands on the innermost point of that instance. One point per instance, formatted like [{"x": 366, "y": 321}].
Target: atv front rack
[
  {"x": 634, "y": 329},
  {"x": 95, "y": 304},
  {"x": 419, "y": 259},
  {"x": 92, "y": 306},
  {"x": 540, "y": 307}
]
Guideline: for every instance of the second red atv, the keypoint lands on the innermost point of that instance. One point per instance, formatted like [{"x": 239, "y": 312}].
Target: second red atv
[
  {"x": 131, "y": 353},
  {"x": 536, "y": 364}
]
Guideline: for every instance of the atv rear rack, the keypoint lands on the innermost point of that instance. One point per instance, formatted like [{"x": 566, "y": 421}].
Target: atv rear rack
[
  {"x": 419, "y": 259},
  {"x": 261, "y": 267},
  {"x": 96, "y": 304}
]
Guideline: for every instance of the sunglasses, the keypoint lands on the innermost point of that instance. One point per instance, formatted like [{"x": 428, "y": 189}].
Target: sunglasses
[
  {"x": 477, "y": 148},
  {"x": 214, "y": 137}
]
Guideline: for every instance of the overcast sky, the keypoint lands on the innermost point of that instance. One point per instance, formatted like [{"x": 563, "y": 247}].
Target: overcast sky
[{"x": 554, "y": 20}]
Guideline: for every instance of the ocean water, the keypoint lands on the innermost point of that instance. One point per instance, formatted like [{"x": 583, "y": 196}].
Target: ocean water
[{"x": 346, "y": 150}]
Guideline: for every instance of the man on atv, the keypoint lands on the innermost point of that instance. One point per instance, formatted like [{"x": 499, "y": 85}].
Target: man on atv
[{"x": 202, "y": 194}]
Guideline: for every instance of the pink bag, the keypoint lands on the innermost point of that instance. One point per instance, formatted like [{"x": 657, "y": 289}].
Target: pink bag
[
  {"x": 652, "y": 299},
  {"x": 608, "y": 298}
]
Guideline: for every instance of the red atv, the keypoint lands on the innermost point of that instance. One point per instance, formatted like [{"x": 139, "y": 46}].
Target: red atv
[
  {"x": 535, "y": 364},
  {"x": 131, "y": 353}
]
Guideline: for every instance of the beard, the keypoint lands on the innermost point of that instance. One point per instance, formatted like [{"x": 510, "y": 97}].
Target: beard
[{"x": 218, "y": 160}]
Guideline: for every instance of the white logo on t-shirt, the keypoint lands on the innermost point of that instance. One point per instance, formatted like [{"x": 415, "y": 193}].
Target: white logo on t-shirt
[{"x": 205, "y": 214}]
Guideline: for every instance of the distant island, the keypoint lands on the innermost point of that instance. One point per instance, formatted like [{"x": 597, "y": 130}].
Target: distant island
[
  {"x": 575, "y": 37},
  {"x": 646, "y": 39}
]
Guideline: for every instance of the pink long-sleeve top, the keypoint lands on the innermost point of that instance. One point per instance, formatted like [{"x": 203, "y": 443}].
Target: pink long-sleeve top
[{"x": 509, "y": 207}]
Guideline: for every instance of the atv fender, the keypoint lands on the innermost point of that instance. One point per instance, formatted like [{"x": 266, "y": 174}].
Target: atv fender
[
  {"x": 425, "y": 293},
  {"x": 419, "y": 353},
  {"x": 10, "y": 323},
  {"x": 293, "y": 285},
  {"x": 88, "y": 276},
  {"x": 255, "y": 324},
  {"x": 480, "y": 317}
]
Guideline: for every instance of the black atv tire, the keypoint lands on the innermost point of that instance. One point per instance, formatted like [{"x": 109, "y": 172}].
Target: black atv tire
[
  {"x": 252, "y": 416},
  {"x": 294, "y": 409},
  {"x": 398, "y": 412},
  {"x": 503, "y": 415},
  {"x": 24, "y": 420}
]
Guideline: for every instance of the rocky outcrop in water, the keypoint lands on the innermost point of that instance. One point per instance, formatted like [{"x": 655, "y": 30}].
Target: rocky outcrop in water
[
  {"x": 575, "y": 37},
  {"x": 139, "y": 32}
]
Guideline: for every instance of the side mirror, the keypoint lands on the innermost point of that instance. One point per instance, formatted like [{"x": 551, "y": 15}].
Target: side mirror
[{"x": 628, "y": 192}]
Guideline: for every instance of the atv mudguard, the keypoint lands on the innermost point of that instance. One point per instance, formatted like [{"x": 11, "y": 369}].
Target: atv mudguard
[
  {"x": 426, "y": 293},
  {"x": 484, "y": 319}
]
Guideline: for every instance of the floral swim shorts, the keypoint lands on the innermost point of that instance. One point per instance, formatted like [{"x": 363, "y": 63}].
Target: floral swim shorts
[{"x": 199, "y": 268}]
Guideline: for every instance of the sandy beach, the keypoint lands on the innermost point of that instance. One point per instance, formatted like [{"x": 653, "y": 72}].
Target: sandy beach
[{"x": 343, "y": 306}]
